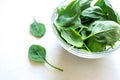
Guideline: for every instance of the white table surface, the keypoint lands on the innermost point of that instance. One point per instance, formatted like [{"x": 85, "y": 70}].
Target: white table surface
[{"x": 15, "y": 39}]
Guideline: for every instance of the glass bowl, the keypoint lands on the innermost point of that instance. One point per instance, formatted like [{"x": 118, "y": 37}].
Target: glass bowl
[{"x": 75, "y": 51}]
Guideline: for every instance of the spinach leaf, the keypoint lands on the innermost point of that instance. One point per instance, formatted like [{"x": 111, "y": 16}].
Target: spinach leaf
[
  {"x": 60, "y": 9},
  {"x": 93, "y": 12},
  {"x": 77, "y": 24},
  {"x": 69, "y": 15},
  {"x": 85, "y": 4},
  {"x": 95, "y": 46},
  {"x": 109, "y": 12},
  {"x": 37, "y": 29},
  {"x": 37, "y": 53},
  {"x": 72, "y": 37},
  {"x": 103, "y": 33}
]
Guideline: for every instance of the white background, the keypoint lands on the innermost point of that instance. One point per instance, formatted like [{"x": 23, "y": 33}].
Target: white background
[{"x": 15, "y": 39}]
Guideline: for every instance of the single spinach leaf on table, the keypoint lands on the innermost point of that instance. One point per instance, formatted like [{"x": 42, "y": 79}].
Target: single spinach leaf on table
[
  {"x": 37, "y": 53},
  {"x": 104, "y": 33},
  {"x": 37, "y": 29}
]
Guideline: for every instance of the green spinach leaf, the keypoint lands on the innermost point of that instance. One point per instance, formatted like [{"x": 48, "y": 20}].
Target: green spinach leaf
[
  {"x": 109, "y": 12},
  {"x": 72, "y": 37},
  {"x": 37, "y": 53},
  {"x": 104, "y": 33},
  {"x": 85, "y": 4},
  {"x": 93, "y": 12},
  {"x": 95, "y": 46},
  {"x": 69, "y": 15},
  {"x": 37, "y": 29}
]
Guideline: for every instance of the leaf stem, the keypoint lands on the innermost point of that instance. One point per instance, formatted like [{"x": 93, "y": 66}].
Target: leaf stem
[
  {"x": 35, "y": 20},
  {"x": 96, "y": 33},
  {"x": 49, "y": 63},
  {"x": 88, "y": 37},
  {"x": 87, "y": 47},
  {"x": 53, "y": 66}
]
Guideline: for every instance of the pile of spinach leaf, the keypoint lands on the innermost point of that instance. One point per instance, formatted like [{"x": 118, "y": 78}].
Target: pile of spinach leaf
[{"x": 89, "y": 27}]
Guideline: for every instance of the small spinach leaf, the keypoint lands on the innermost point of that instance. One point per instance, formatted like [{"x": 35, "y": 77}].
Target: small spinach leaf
[
  {"x": 37, "y": 29},
  {"x": 37, "y": 53}
]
